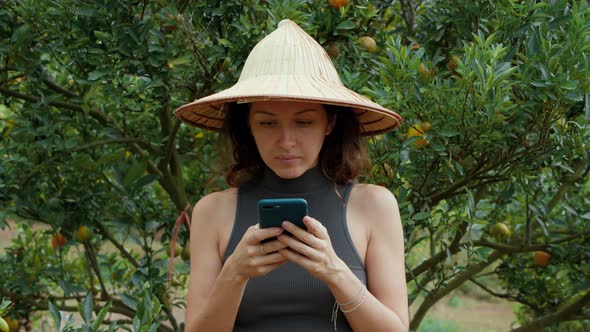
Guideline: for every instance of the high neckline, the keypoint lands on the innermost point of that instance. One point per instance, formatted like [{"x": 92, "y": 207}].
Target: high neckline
[{"x": 310, "y": 181}]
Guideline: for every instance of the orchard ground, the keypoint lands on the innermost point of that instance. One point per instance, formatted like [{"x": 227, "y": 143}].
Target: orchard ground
[{"x": 461, "y": 311}]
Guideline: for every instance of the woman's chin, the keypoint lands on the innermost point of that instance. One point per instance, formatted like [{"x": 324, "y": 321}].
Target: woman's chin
[{"x": 289, "y": 172}]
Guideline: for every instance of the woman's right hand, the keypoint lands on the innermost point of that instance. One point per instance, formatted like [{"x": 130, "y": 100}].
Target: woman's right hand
[{"x": 252, "y": 258}]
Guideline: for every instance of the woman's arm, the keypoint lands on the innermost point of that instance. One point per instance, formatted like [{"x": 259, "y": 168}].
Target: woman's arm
[
  {"x": 216, "y": 289},
  {"x": 384, "y": 306}
]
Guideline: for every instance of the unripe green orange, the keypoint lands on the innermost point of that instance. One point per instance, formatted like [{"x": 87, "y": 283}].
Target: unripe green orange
[
  {"x": 186, "y": 253},
  {"x": 422, "y": 70},
  {"x": 4, "y": 325},
  {"x": 500, "y": 231},
  {"x": 368, "y": 43}
]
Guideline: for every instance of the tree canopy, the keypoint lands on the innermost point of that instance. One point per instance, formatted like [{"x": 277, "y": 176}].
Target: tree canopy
[{"x": 489, "y": 167}]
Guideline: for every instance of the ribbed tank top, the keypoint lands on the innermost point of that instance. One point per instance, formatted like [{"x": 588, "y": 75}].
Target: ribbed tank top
[{"x": 289, "y": 298}]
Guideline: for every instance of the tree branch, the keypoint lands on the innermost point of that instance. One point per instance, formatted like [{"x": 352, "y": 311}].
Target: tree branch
[
  {"x": 457, "y": 281},
  {"x": 567, "y": 183},
  {"x": 561, "y": 314},
  {"x": 94, "y": 264},
  {"x": 105, "y": 232},
  {"x": 170, "y": 145},
  {"x": 507, "y": 248},
  {"x": 409, "y": 14},
  {"x": 101, "y": 117},
  {"x": 60, "y": 154},
  {"x": 502, "y": 296},
  {"x": 56, "y": 87}
]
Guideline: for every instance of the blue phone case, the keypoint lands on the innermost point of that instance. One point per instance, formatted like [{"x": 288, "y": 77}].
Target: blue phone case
[{"x": 272, "y": 212}]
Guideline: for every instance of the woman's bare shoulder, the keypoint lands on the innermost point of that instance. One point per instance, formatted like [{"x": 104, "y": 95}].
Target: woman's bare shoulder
[
  {"x": 374, "y": 203},
  {"x": 216, "y": 205},
  {"x": 372, "y": 196}
]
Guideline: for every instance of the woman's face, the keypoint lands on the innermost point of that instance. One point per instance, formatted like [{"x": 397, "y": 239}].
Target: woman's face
[{"x": 289, "y": 135}]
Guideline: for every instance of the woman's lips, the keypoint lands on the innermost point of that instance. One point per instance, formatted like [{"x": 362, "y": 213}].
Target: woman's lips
[{"x": 287, "y": 158}]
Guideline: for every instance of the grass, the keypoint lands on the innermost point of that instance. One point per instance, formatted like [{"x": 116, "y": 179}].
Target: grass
[{"x": 438, "y": 325}]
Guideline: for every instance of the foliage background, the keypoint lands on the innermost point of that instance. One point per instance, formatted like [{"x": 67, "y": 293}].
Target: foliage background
[{"x": 87, "y": 94}]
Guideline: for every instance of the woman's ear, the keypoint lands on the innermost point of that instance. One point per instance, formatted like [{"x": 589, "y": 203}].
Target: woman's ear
[{"x": 331, "y": 123}]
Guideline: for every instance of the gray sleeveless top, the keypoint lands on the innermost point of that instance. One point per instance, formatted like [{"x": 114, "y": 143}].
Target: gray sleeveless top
[{"x": 289, "y": 298}]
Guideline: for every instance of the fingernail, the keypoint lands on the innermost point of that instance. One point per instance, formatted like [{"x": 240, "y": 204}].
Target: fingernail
[{"x": 286, "y": 224}]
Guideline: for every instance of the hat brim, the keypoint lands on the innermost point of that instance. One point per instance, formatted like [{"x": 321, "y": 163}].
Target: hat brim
[{"x": 208, "y": 112}]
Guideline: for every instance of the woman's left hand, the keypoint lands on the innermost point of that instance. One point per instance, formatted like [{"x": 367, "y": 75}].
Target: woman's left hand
[{"x": 312, "y": 249}]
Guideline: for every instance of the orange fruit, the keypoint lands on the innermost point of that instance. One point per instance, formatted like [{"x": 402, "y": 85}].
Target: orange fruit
[
  {"x": 542, "y": 258},
  {"x": 12, "y": 324},
  {"x": 500, "y": 231},
  {"x": 58, "y": 241},
  {"x": 336, "y": 4},
  {"x": 83, "y": 233},
  {"x": 419, "y": 130},
  {"x": 368, "y": 43},
  {"x": 453, "y": 64}
]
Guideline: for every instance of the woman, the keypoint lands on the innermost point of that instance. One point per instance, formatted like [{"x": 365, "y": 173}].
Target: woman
[{"x": 296, "y": 132}]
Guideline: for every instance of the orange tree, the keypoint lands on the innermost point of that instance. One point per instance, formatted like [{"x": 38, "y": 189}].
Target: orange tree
[{"x": 495, "y": 102}]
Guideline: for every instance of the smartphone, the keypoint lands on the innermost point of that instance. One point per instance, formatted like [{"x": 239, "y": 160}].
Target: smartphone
[{"x": 273, "y": 211}]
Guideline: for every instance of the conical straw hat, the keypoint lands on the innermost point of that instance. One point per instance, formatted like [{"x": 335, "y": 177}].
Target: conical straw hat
[{"x": 288, "y": 64}]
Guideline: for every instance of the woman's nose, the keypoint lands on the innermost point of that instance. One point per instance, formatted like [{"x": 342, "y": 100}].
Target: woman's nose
[{"x": 287, "y": 136}]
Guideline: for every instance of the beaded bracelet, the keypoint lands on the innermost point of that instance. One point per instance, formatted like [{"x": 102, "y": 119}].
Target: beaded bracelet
[
  {"x": 360, "y": 298},
  {"x": 359, "y": 304}
]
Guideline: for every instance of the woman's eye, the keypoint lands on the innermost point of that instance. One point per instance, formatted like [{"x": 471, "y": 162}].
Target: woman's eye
[
  {"x": 304, "y": 122},
  {"x": 266, "y": 123}
]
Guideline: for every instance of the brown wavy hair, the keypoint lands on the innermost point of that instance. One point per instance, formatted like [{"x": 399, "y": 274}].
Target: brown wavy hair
[{"x": 343, "y": 156}]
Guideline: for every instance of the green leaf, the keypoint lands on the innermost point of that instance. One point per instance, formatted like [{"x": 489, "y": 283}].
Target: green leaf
[
  {"x": 55, "y": 314},
  {"x": 95, "y": 75},
  {"x": 22, "y": 35},
  {"x": 144, "y": 181},
  {"x": 129, "y": 301},
  {"x": 345, "y": 25},
  {"x": 447, "y": 132},
  {"x": 102, "y": 36},
  {"x": 88, "y": 304},
  {"x": 421, "y": 216},
  {"x": 483, "y": 253},
  {"x": 101, "y": 315},
  {"x": 568, "y": 85}
]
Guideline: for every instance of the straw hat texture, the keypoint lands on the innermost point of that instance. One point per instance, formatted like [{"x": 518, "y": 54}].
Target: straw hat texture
[{"x": 288, "y": 64}]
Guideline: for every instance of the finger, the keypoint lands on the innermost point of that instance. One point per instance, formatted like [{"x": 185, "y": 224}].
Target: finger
[
  {"x": 270, "y": 267},
  {"x": 274, "y": 245},
  {"x": 299, "y": 247},
  {"x": 259, "y": 235},
  {"x": 268, "y": 259},
  {"x": 294, "y": 257},
  {"x": 316, "y": 228},
  {"x": 301, "y": 234}
]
